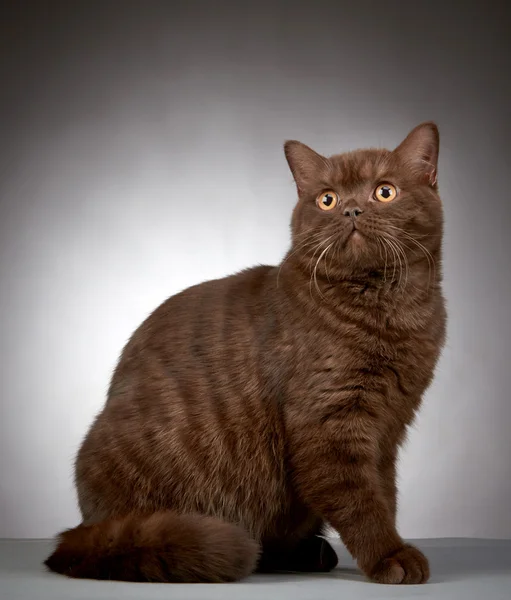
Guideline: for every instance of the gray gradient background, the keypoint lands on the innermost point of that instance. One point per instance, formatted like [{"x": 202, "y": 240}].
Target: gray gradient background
[{"x": 141, "y": 152}]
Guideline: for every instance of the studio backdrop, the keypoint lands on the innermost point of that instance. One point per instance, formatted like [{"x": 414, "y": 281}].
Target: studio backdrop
[{"x": 141, "y": 152}]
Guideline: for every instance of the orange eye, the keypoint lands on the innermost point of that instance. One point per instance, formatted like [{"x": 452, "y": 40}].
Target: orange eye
[
  {"x": 385, "y": 192},
  {"x": 327, "y": 200}
]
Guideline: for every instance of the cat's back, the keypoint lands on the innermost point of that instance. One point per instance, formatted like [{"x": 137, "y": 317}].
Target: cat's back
[{"x": 203, "y": 323}]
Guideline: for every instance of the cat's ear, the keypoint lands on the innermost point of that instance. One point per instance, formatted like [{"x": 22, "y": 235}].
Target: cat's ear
[
  {"x": 419, "y": 151},
  {"x": 306, "y": 165}
]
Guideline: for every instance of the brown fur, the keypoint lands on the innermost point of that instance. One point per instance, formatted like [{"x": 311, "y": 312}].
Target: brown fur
[{"x": 275, "y": 400}]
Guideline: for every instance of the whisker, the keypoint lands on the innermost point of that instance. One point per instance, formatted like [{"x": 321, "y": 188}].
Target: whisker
[
  {"x": 382, "y": 245},
  {"x": 304, "y": 244},
  {"x": 402, "y": 245},
  {"x": 392, "y": 249},
  {"x": 318, "y": 247},
  {"x": 405, "y": 259},
  {"x": 424, "y": 250},
  {"x": 325, "y": 251},
  {"x": 398, "y": 257}
]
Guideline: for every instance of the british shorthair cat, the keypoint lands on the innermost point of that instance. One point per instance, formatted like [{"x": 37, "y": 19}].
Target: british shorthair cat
[{"x": 248, "y": 412}]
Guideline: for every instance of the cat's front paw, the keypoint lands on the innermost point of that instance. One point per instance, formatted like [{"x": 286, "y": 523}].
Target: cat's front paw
[{"x": 405, "y": 566}]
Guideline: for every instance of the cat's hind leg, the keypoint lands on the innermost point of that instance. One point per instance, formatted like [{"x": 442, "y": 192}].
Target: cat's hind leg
[{"x": 310, "y": 555}]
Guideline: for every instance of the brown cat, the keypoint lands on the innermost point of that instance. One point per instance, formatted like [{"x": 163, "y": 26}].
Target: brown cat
[{"x": 248, "y": 411}]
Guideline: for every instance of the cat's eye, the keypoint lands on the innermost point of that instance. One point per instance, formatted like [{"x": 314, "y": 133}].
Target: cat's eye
[
  {"x": 385, "y": 192},
  {"x": 327, "y": 200}
]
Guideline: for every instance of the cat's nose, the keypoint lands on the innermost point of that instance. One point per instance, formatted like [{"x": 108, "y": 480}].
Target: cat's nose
[{"x": 353, "y": 212}]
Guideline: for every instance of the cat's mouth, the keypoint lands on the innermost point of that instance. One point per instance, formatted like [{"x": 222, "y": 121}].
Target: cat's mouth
[
  {"x": 355, "y": 239},
  {"x": 355, "y": 233}
]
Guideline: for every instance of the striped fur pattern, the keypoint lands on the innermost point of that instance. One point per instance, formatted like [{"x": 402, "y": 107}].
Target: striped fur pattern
[{"x": 246, "y": 413}]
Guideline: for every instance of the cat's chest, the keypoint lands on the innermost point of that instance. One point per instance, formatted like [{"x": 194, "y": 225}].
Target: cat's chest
[{"x": 390, "y": 362}]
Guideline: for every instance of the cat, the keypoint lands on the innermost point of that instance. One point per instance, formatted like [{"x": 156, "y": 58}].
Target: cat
[{"x": 247, "y": 413}]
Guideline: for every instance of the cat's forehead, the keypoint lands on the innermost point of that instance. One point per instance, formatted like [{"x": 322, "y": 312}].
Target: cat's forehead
[{"x": 359, "y": 166}]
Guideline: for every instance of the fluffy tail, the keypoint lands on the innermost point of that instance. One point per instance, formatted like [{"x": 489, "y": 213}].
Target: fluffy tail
[{"x": 163, "y": 547}]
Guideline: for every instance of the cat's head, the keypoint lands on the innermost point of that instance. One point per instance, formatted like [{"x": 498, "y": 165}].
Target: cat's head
[{"x": 369, "y": 209}]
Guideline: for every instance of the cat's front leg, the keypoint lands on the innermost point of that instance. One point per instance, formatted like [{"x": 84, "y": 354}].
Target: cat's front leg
[
  {"x": 334, "y": 464},
  {"x": 389, "y": 445},
  {"x": 387, "y": 469}
]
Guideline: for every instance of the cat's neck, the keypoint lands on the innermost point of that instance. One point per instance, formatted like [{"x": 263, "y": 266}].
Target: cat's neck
[
  {"x": 420, "y": 275},
  {"x": 411, "y": 284}
]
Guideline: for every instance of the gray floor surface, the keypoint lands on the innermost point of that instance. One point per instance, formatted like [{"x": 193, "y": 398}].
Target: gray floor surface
[{"x": 461, "y": 568}]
